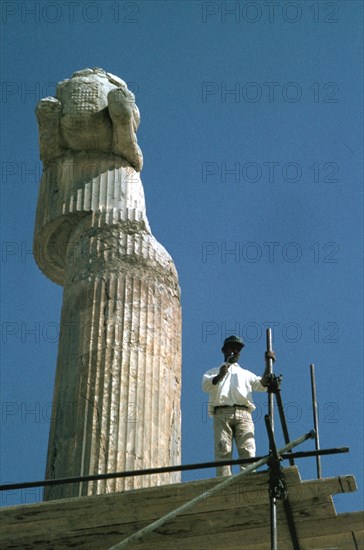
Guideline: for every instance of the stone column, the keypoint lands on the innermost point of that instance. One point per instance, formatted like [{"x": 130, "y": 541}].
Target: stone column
[{"x": 116, "y": 402}]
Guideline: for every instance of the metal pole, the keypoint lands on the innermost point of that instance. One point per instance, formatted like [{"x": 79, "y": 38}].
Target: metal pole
[
  {"x": 315, "y": 419},
  {"x": 273, "y": 500},
  {"x": 200, "y": 465},
  {"x": 277, "y": 489},
  {"x": 269, "y": 363},
  {"x": 283, "y": 420}
]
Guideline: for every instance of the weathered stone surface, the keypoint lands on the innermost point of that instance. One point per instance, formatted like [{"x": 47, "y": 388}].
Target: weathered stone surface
[
  {"x": 93, "y": 110},
  {"x": 117, "y": 389}
]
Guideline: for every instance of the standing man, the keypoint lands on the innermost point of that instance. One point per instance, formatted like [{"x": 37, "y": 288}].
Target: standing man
[{"x": 231, "y": 403}]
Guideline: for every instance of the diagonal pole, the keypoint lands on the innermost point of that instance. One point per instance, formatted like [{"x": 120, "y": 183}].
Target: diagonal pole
[
  {"x": 315, "y": 419},
  {"x": 283, "y": 420},
  {"x": 230, "y": 480}
]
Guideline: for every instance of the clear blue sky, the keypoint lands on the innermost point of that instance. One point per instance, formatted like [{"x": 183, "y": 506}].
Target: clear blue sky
[{"x": 251, "y": 130}]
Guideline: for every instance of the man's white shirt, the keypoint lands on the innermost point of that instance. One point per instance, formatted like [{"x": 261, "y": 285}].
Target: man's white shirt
[{"x": 234, "y": 389}]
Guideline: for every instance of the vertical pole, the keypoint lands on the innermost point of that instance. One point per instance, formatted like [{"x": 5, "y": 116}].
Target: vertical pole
[
  {"x": 273, "y": 500},
  {"x": 273, "y": 524},
  {"x": 270, "y": 370},
  {"x": 315, "y": 419}
]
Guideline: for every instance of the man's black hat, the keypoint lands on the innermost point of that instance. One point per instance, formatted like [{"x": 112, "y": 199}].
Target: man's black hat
[{"x": 233, "y": 340}]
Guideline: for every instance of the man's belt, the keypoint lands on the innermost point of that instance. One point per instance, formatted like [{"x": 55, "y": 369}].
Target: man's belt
[{"x": 230, "y": 406}]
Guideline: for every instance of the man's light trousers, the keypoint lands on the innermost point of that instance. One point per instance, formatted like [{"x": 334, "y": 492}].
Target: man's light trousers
[{"x": 232, "y": 423}]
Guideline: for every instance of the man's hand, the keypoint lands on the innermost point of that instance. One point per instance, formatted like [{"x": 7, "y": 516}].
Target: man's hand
[{"x": 223, "y": 370}]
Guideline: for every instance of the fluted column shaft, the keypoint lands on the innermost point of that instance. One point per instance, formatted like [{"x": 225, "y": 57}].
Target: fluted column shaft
[{"x": 117, "y": 389}]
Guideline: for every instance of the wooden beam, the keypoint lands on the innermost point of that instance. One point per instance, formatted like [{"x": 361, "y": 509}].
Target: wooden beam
[{"x": 236, "y": 516}]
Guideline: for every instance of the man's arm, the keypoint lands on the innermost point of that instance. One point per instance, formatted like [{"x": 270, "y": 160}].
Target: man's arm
[
  {"x": 207, "y": 379},
  {"x": 223, "y": 370}
]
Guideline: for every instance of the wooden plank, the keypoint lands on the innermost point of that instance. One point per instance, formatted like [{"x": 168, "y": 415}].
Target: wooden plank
[
  {"x": 250, "y": 491},
  {"x": 126, "y": 506},
  {"x": 103, "y": 538},
  {"x": 240, "y": 511},
  {"x": 324, "y": 487},
  {"x": 131, "y": 507},
  {"x": 201, "y": 532},
  {"x": 339, "y": 534}
]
